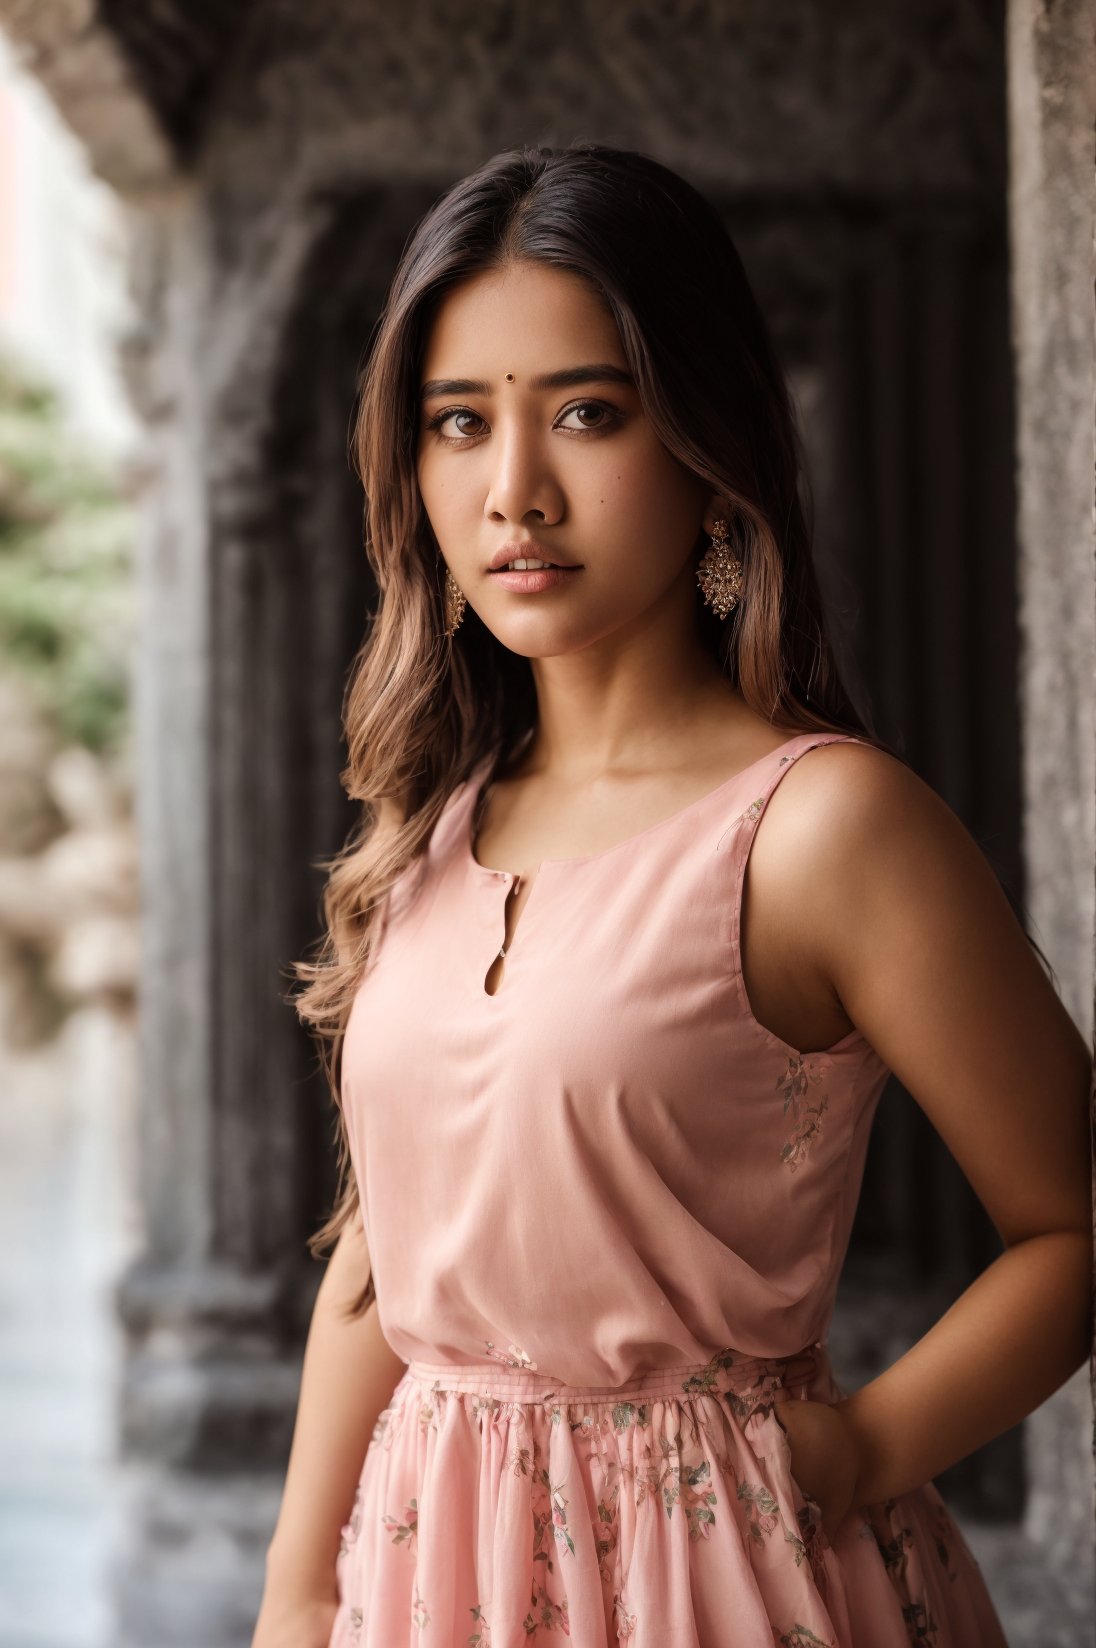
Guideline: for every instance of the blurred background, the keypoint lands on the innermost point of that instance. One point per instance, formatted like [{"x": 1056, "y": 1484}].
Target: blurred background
[
  {"x": 200, "y": 208},
  {"x": 68, "y": 869}
]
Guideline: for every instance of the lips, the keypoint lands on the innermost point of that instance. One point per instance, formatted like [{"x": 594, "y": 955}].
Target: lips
[
  {"x": 529, "y": 551},
  {"x": 535, "y": 579},
  {"x": 559, "y": 566}
]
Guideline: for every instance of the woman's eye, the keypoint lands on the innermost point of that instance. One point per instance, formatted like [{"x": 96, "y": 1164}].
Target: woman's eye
[
  {"x": 437, "y": 422},
  {"x": 604, "y": 414},
  {"x": 592, "y": 415}
]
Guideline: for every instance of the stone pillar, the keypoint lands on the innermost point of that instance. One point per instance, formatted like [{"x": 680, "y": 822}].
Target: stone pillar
[
  {"x": 1052, "y": 111},
  {"x": 255, "y": 596},
  {"x": 212, "y": 1365}
]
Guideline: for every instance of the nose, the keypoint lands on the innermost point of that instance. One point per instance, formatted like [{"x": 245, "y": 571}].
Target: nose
[{"x": 522, "y": 480}]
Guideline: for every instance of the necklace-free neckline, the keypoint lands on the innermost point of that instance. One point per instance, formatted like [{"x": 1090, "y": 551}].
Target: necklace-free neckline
[{"x": 477, "y": 786}]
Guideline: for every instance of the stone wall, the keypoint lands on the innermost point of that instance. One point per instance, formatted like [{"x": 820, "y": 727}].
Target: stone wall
[{"x": 1052, "y": 102}]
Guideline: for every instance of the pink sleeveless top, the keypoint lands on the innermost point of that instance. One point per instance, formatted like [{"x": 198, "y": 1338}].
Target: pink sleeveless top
[{"x": 609, "y": 1166}]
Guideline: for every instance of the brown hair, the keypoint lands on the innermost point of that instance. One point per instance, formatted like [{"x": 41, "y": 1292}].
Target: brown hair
[{"x": 422, "y": 708}]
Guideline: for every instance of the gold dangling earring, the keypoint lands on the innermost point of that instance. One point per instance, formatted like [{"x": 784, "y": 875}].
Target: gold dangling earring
[
  {"x": 719, "y": 574},
  {"x": 455, "y": 603}
]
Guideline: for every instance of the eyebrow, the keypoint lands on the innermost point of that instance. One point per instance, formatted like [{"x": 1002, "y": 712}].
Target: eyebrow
[{"x": 566, "y": 378}]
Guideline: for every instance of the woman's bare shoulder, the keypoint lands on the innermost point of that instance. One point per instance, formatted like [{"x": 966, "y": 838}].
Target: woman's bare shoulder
[
  {"x": 847, "y": 813},
  {"x": 853, "y": 835},
  {"x": 845, "y": 795}
]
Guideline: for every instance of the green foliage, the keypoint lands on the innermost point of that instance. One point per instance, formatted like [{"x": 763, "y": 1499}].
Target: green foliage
[{"x": 66, "y": 578}]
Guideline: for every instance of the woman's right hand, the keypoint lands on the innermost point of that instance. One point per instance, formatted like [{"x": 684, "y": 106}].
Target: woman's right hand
[{"x": 294, "y": 1622}]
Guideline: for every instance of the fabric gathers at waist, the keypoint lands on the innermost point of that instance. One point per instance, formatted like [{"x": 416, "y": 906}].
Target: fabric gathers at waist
[{"x": 728, "y": 1373}]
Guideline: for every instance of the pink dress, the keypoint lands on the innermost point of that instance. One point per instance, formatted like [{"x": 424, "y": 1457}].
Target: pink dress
[{"x": 607, "y": 1210}]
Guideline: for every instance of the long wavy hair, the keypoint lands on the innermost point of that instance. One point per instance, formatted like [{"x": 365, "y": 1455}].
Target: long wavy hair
[{"x": 422, "y": 708}]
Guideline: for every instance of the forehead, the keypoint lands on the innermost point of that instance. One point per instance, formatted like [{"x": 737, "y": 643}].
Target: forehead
[{"x": 519, "y": 319}]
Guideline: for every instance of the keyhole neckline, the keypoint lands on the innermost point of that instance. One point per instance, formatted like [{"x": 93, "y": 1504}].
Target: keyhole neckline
[{"x": 477, "y": 786}]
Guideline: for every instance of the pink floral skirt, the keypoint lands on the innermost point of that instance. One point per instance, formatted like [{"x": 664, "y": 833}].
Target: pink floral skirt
[{"x": 498, "y": 1507}]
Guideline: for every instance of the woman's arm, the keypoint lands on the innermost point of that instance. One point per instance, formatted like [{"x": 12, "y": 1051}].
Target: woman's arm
[
  {"x": 898, "y": 910},
  {"x": 347, "y": 1378}
]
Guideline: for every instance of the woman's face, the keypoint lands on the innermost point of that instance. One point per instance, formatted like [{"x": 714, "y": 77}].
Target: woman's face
[{"x": 575, "y": 465}]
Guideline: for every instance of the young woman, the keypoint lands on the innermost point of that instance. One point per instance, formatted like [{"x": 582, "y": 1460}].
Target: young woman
[{"x": 604, "y": 1102}]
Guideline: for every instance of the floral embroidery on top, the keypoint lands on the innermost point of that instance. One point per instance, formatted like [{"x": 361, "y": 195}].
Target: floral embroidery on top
[
  {"x": 705, "y": 1380},
  {"x": 484, "y": 1404},
  {"x": 920, "y": 1625},
  {"x": 663, "y": 1473},
  {"x": 549, "y": 1511},
  {"x": 481, "y": 1636},
  {"x": 755, "y": 808},
  {"x": 420, "y": 1614},
  {"x": 895, "y": 1543},
  {"x": 624, "y": 1621},
  {"x": 514, "y": 1356},
  {"x": 796, "y": 1081},
  {"x": 405, "y": 1532}
]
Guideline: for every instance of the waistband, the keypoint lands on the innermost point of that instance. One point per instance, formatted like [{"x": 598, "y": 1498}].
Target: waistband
[{"x": 728, "y": 1371}]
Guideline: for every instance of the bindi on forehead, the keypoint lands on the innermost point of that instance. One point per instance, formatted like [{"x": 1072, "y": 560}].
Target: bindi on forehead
[{"x": 566, "y": 377}]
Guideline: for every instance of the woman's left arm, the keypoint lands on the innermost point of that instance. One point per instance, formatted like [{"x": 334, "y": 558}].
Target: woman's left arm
[{"x": 905, "y": 917}]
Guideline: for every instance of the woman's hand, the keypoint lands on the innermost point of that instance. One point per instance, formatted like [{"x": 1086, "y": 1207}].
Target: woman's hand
[
  {"x": 825, "y": 1455},
  {"x": 287, "y": 1621}
]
